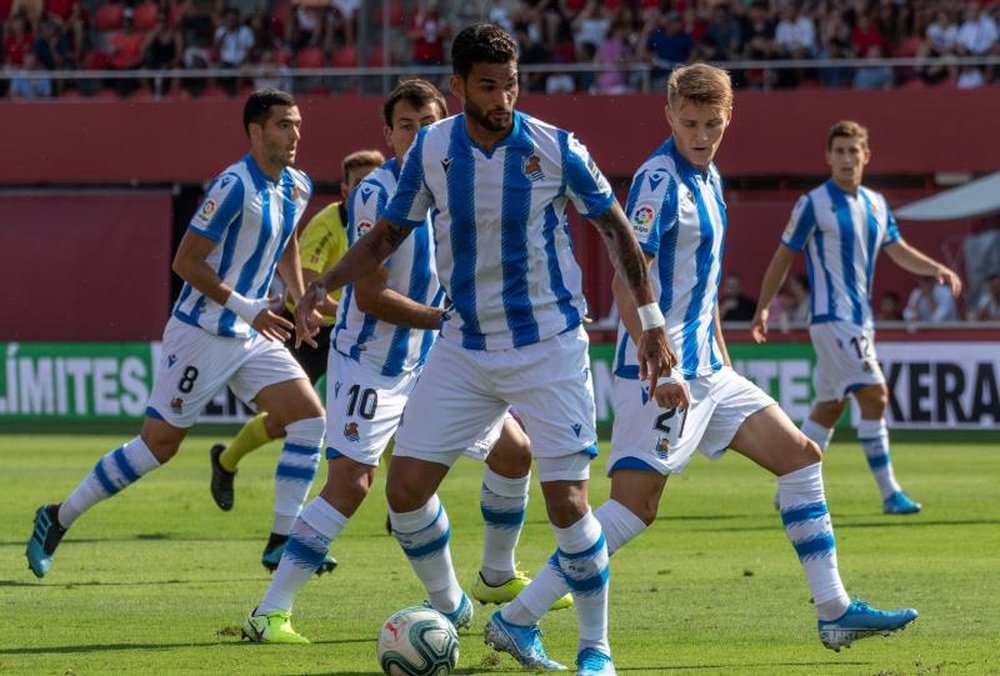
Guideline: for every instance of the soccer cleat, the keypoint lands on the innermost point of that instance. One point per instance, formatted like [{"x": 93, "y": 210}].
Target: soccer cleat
[
  {"x": 861, "y": 621},
  {"x": 222, "y": 480},
  {"x": 900, "y": 503},
  {"x": 524, "y": 644},
  {"x": 592, "y": 662},
  {"x": 461, "y": 617},
  {"x": 275, "y": 549},
  {"x": 44, "y": 539},
  {"x": 274, "y": 627},
  {"x": 485, "y": 593}
]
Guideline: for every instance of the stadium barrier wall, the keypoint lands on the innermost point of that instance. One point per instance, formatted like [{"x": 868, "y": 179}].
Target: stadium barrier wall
[{"x": 952, "y": 384}]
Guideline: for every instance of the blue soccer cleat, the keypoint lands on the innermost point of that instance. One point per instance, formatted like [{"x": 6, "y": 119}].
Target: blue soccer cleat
[
  {"x": 900, "y": 503},
  {"x": 461, "y": 617},
  {"x": 592, "y": 662},
  {"x": 44, "y": 539},
  {"x": 861, "y": 621},
  {"x": 524, "y": 644}
]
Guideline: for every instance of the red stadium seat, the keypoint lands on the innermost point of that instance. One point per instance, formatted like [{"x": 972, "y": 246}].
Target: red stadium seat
[
  {"x": 96, "y": 61},
  {"x": 110, "y": 17},
  {"x": 376, "y": 57},
  {"x": 344, "y": 57},
  {"x": 397, "y": 14},
  {"x": 310, "y": 57},
  {"x": 144, "y": 16}
]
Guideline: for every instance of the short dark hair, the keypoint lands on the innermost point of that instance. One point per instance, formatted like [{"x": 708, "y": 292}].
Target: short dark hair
[
  {"x": 258, "y": 106},
  {"x": 481, "y": 43},
  {"x": 847, "y": 129},
  {"x": 417, "y": 92}
]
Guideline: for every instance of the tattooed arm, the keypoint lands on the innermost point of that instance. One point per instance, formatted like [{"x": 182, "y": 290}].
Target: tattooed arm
[
  {"x": 361, "y": 260},
  {"x": 655, "y": 356}
]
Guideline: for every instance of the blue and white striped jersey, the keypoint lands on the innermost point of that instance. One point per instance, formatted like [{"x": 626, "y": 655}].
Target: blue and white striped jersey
[
  {"x": 679, "y": 217},
  {"x": 251, "y": 217},
  {"x": 503, "y": 248},
  {"x": 389, "y": 349},
  {"x": 841, "y": 234}
]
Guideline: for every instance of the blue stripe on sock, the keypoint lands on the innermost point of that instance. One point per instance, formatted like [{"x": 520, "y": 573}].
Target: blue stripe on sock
[
  {"x": 295, "y": 473},
  {"x": 586, "y": 553},
  {"x": 502, "y": 519},
  {"x": 818, "y": 545},
  {"x": 302, "y": 554},
  {"x": 123, "y": 465},
  {"x": 299, "y": 449},
  {"x": 813, "y": 510},
  {"x": 102, "y": 477},
  {"x": 877, "y": 462},
  {"x": 428, "y": 549},
  {"x": 589, "y": 585},
  {"x": 554, "y": 564}
]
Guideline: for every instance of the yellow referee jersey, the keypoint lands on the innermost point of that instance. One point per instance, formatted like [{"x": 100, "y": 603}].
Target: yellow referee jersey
[{"x": 323, "y": 243}]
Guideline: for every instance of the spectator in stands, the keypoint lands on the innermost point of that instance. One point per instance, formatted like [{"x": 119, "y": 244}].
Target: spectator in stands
[
  {"x": 733, "y": 305},
  {"x": 791, "y": 304},
  {"x": 889, "y": 308},
  {"x": 52, "y": 48},
  {"x": 233, "y": 40},
  {"x": 615, "y": 50},
  {"x": 344, "y": 19},
  {"x": 795, "y": 34},
  {"x": 758, "y": 45},
  {"x": 970, "y": 77},
  {"x": 70, "y": 17},
  {"x": 930, "y": 302},
  {"x": 988, "y": 307},
  {"x": 873, "y": 77},
  {"x": 722, "y": 36},
  {"x": 978, "y": 34},
  {"x": 941, "y": 43},
  {"x": 307, "y": 27},
  {"x": 666, "y": 44},
  {"x": 30, "y": 10},
  {"x": 18, "y": 41},
  {"x": 593, "y": 24},
  {"x": 428, "y": 31},
  {"x": 837, "y": 45},
  {"x": 30, "y": 88},
  {"x": 162, "y": 50},
  {"x": 866, "y": 34},
  {"x": 532, "y": 52}
]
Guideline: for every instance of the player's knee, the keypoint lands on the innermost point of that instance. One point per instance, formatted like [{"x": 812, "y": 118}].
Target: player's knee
[
  {"x": 811, "y": 452},
  {"x": 565, "y": 504},
  {"x": 273, "y": 428},
  {"x": 511, "y": 459},
  {"x": 401, "y": 495},
  {"x": 873, "y": 401}
]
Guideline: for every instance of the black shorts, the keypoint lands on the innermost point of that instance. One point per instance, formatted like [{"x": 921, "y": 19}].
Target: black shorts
[{"x": 312, "y": 359}]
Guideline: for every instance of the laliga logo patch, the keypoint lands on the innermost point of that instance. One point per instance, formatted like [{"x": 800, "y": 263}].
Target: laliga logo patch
[
  {"x": 642, "y": 218},
  {"x": 177, "y": 405},
  {"x": 364, "y": 227},
  {"x": 351, "y": 431},
  {"x": 533, "y": 168},
  {"x": 207, "y": 209}
]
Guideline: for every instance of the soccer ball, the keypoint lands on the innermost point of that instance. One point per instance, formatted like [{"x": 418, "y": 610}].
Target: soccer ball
[{"x": 418, "y": 641}]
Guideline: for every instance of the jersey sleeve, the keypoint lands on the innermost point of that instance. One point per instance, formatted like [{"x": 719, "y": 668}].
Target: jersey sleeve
[
  {"x": 412, "y": 199},
  {"x": 221, "y": 206},
  {"x": 801, "y": 225},
  {"x": 366, "y": 205},
  {"x": 651, "y": 207},
  {"x": 586, "y": 185},
  {"x": 892, "y": 234}
]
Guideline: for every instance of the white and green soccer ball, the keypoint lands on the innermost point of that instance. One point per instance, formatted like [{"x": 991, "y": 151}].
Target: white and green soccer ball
[{"x": 417, "y": 641}]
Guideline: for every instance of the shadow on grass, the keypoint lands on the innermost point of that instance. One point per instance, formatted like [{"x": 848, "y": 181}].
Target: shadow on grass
[
  {"x": 140, "y": 583},
  {"x": 841, "y": 523},
  {"x": 107, "y": 647},
  {"x": 743, "y": 666}
]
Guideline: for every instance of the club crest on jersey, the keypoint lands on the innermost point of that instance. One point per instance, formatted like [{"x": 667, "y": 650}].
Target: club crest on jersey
[
  {"x": 364, "y": 227},
  {"x": 208, "y": 208},
  {"x": 446, "y": 164},
  {"x": 662, "y": 448},
  {"x": 533, "y": 168},
  {"x": 177, "y": 405},
  {"x": 351, "y": 432}
]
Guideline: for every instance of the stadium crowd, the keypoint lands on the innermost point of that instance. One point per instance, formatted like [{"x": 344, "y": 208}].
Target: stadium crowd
[{"x": 264, "y": 40}]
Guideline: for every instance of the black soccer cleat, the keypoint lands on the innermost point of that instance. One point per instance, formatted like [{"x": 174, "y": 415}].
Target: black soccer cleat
[
  {"x": 222, "y": 481},
  {"x": 275, "y": 548}
]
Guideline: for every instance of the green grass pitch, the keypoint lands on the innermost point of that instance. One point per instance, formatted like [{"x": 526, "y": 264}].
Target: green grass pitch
[{"x": 157, "y": 580}]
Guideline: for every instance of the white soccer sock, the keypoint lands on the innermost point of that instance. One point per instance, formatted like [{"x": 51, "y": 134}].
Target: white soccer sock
[
  {"x": 503, "y": 502},
  {"x": 620, "y": 526},
  {"x": 583, "y": 559},
  {"x": 115, "y": 471},
  {"x": 874, "y": 438},
  {"x": 423, "y": 534},
  {"x": 808, "y": 527},
  {"x": 821, "y": 435},
  {"x": 318, "y": 525},
  {"x": 296, "y": 470}
]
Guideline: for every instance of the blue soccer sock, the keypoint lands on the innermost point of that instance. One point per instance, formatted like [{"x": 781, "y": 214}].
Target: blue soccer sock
[
  {"x": 503, "y": 502},
  {"x": 296, "y": 470},
  {"x": 114, "y": 472},
  {"x": 808, "y": 527},
  {"x": 582, "y": 557},
  {"x": 874, "y": 438},
  {"x": 424, "y": 534},
  {"x": 318, "y": 525}
]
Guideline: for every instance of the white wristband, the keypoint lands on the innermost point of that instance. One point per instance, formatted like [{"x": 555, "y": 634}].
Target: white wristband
[
  {"x": 650, "y": 316},
  {"x": 245, "y": 309}
]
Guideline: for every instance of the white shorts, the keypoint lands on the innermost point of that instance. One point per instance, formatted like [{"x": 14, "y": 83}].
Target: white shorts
[
  {"x": 845, "y": 359},
  {"x": 464, "y": 394},
  {"x": 647, "y": 437},
  {"x": 195, "y": 365}
]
